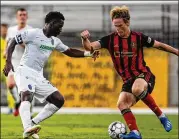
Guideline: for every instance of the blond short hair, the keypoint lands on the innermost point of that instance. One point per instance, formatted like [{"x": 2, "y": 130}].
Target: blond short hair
[{"x": 120, "y": 12}]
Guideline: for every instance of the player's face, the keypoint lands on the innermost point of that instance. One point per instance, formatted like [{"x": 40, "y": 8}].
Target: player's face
[
  {"x": 56, "y": 28},
  {"x": 21, "y": 17},
  {"x": 120, "y": 26}
]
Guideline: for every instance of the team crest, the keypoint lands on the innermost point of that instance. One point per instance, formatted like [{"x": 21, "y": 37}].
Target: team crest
[{"x": 133, "y": 44}]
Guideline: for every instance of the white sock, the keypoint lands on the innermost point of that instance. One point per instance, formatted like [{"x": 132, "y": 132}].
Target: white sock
[
  {"x": 46, "y": 112},
  {"x": 15, "y": 94},
  {"x": 24, "y": 112},
  {"x": 32, "y": 106},
  {"x": 162, "y": 115}
]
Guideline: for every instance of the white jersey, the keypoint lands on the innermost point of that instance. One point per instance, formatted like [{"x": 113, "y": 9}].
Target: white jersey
[
  {"x": 38, "y": 48},
  {"x": 19, "y": 50}
]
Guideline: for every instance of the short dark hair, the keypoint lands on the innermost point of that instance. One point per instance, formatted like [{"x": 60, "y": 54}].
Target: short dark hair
[
  {"x": 54, "y": 15},
  {"x": 21, "y": 9},
  {"x": 4, "y": 25}
]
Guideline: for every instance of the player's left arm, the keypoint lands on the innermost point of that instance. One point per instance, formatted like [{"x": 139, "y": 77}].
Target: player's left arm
[
  {"x": 150, "y": 42},
  {"x": 165, "y": 47}
]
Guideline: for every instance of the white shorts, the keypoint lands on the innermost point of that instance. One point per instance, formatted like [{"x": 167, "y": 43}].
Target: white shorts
[{"x": 30, "y": 80}]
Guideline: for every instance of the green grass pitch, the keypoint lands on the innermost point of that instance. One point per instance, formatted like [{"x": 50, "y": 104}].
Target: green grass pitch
[{"x": 87, "y": 126}]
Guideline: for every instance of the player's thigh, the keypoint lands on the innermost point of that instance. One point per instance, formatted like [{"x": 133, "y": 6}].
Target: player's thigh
[
  {"x": 126, "y": 100},
  {"x": 10, "y": 80},
  {"x": 139, "y": 86},
  {"x": 43, "y": 89},
  {"x": 24, "y": 81}
]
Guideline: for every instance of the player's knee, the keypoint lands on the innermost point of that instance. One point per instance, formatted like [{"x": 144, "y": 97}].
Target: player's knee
[
  {"x": 61, "y": 101},
  {"x": 10, "y": 85},
  {"x": 122, "y": 105},
  {"x": 26, "y": 96},
  {"x": 57, "y": 99},
  {"x": 137, "y": 90}
]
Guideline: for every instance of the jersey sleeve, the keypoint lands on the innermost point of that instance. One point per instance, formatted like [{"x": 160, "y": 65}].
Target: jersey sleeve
[
  {"x": 24, "y": 37},
  {"x": 60, "y": 46},
  {"x": 147, "y": 41},
  {"x": 104, "y": 41}
]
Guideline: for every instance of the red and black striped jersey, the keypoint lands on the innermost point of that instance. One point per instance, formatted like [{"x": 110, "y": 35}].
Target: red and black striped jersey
[{"x": 127, "y": 53}]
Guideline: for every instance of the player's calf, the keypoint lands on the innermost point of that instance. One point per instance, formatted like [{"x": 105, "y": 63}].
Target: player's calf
[{"x": 56, "y": 101}]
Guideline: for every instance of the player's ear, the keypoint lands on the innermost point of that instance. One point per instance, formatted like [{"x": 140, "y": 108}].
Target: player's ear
[{"x": 127, "y": 22}]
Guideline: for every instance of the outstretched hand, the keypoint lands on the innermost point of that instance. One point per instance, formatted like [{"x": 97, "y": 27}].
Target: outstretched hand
[
  {"x": 7, "y": 68},
  {"x": 95, "y": 53}
]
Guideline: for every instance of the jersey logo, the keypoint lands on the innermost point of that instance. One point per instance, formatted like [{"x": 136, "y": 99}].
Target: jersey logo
[
  {"x": 133, "y": 44},
  {"x": 45, "y": 47}
]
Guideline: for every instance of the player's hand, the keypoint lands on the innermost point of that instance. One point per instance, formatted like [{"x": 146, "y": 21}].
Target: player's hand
[
  {"x": 95, "y": 53},
  {"x": 85, "y": 34},
  {"x": 7, "y": 68}
]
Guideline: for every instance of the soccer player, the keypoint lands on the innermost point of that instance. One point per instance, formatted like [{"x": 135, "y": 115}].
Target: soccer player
[
  {"x": 39, "y": 44},
  {"x": 126, "y": 49},
  {"x": 21, "y": 17}
]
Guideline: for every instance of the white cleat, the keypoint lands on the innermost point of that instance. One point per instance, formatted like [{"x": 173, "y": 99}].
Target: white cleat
[
  {"x": 35, "y": 136},
  {"x": 32, "y": 131}
]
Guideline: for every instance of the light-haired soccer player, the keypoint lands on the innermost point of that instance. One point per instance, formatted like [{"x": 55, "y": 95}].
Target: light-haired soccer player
[
  {"x": 21, "y": 17},
  {"x": 126, "y": 49},
  {"x": 39, "y": 44}
]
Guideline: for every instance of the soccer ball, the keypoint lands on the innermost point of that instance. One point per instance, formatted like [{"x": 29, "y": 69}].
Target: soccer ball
[{"x": 116, "y": 128}]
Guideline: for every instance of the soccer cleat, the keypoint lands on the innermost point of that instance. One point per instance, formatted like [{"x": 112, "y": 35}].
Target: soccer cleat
[
  {"x": 31, "y": 131},
  {"x": 166, "y": 123},
  {"x": 16, "y": 112},
  {"x": 35, "y": 136},
  {"x": 131, "y": 135}
]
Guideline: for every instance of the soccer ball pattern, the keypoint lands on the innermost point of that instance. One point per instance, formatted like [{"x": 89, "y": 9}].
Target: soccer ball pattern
[{"x": 115, "y": 129}]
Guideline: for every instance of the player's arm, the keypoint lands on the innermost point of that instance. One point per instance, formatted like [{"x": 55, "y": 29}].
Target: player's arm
[
  {"x": 71, "y": 52},
  {"x": 78, "y": 53},
  {"x": 10, "y": 50},
  {"x": 86, "y": 42},
  {"x": 165, "y": 47},
  {"x": 149, "y": 42},
  {"x": 22, "y": 38}
]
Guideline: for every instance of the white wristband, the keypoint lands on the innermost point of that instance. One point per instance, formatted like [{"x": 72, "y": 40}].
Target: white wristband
[{"x": 87, "y": 54}]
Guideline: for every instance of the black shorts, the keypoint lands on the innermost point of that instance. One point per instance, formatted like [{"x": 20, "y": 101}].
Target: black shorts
[{"x": 148, "y": 77}]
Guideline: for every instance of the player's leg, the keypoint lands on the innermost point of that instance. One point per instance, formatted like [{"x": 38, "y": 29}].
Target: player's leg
[
  {"x": 142, "y": 90},
  {"x": 125, "y": 101},
  {"x": 11, "y": 85},
  {"x": 32, "y": 107},
  {"x": 25, "y": 114},
  {"x": 55, "y": 102},
  {"x": 26, "y": 87},
  {"x": 10, "y": 101}
]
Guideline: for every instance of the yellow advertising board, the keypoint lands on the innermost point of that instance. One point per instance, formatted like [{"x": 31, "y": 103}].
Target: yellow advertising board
[{"x": 86, "y": 83}]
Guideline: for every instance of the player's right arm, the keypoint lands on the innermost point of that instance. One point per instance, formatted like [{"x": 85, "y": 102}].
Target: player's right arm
[
  {"x": 22, "y": 38},
  {"x": 86, "y": 42}
]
